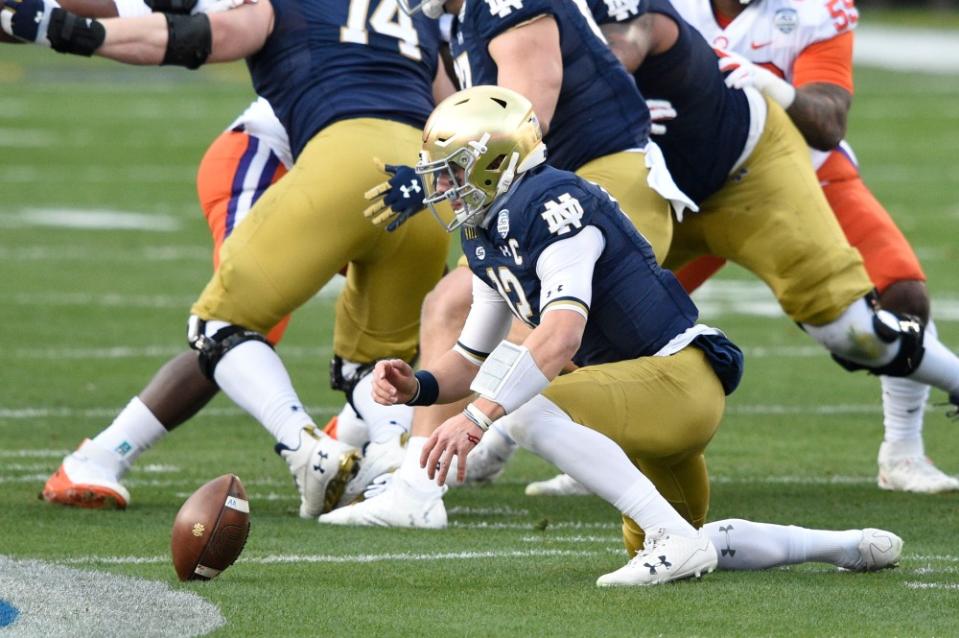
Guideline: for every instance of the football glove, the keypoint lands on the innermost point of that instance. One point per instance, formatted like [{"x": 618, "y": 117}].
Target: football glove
[
  {"x": 743, "y": 73},
  {"x": 27, "y": 20},
  {"x": 660, "y": 111},
  {"x": 397, "y": 199}
]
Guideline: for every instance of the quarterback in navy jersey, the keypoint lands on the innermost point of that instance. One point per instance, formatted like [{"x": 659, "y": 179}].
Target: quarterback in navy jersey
[
  {"x": 596, "y": 124},
  {"x": 557, "y": 252},
  {"x": 349, "y": 82}
]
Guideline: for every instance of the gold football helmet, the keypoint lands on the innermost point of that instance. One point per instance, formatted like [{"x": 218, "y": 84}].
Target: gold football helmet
[{"x": 474, "y": 145}]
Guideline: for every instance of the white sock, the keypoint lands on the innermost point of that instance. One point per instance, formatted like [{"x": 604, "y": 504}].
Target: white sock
[
  {"x": 903, "y": 404},
  {"x": 385, "y": 422},
  {"x": 940, "y": 366},
  {"x": 410, "y": 471},
  {"x": 254, "y": 377},
  {"x": 595, "y": 461},
  {"x": 350, "y": 428},
  {"x": 132, "y": 432},
  {"x": 747, "y": 545}
]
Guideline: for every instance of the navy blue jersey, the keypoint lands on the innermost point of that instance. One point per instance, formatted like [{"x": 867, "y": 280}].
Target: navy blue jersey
[
  {"x": 709, "y": 133},
  {"x": 599, "y": 111},
  {"x": 330, "y": 60},
  {"x": 637, "y": 307}
]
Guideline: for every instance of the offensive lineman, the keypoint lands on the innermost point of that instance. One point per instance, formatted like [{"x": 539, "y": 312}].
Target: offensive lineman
[
  {"x": 347, "y": 86},
  {"x": 800, "y": 54}
]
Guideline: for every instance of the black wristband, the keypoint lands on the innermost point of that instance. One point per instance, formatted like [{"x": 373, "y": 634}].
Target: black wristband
[
  {"x": 69, "y": 33},
  {"x": 428, "y": 389},
  {"x": 171, "y": 6}
]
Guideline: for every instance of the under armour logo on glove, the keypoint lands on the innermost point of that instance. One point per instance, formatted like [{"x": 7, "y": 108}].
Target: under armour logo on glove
[
  {"x": 414, "y": 187},
  {"x": 395, "y": 200}
]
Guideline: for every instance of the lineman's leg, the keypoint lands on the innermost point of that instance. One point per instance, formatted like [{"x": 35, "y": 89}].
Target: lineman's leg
[
  {"x": 235, "y": 170},
  {"x": 624, "y": 176},
  {"x": 747, "y": 545},
  {"x": 895, "y": 270},
  {"x": 294, "y": 240},
  {"x": 776, "y": 223}
]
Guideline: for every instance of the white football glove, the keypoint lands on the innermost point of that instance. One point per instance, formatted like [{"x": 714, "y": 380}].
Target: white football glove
[
  {"x": 744, "y": 73},
  {"x": 660, "y": 111}
]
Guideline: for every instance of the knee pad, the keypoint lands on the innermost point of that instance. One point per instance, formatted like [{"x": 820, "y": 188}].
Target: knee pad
[
  {"x": 212, "y": 348},
  {"x": 865, "y": 337}
]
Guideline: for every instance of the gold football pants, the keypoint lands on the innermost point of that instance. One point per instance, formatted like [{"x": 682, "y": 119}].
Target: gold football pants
[
  {"x": 310, "y": 224},
  {"x": 772, "y": 218},
  {"x": 623, "y": 175},
  {"x": 662, "y": 411}
]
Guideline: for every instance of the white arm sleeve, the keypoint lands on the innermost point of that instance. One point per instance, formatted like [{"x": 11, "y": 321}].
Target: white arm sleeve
[
  {"x": 486, "y": 325},
  {"x": 565, "y": 270}
]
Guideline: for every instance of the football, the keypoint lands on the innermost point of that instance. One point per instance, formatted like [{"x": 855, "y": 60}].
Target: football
[{"x": 210, "y": 529}]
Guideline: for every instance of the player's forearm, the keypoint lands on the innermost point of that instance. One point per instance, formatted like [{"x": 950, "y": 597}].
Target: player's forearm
[
  {"x": 453, "y": 375},
  {"x": 554, "y": 342},
  {"x": 820, "y": 113},
  {"x": 141, "y": 40}
]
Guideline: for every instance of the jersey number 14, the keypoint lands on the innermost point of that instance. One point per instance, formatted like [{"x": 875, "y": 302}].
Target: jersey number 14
[{"x": 387, "y": 19}]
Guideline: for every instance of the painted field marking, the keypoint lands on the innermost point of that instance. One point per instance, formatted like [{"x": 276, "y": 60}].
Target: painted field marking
[
  {"x": 487, "y": 511},
  {"x": 144, "y": 352},
  {"x": 282, "y": 559},
  {"x": 267, "y": 482},
  {"x": 573, "y": 539},
  {"x": 54, "y": 601},
  {"x": 36, "y": 412},
  {"x": 920, "y": 585}
]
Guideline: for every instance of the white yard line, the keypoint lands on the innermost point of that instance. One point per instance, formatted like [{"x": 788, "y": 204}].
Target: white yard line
[
  {"x": 920, "y": 585},
  {"x": 38, "y": 412},
  {"x": 281, "y": 559}
]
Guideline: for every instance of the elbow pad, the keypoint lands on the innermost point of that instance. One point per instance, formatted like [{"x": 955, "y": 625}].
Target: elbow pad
[
  {"x": 189, "y": 40},
  {"x": 69, "y": 33}
]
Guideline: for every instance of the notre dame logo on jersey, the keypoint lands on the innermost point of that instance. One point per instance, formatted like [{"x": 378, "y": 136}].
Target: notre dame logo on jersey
[
  {"x": 502, "y": 8},
  {"x": 622, "y": 9},
  {"x": 562, "y": 214}
]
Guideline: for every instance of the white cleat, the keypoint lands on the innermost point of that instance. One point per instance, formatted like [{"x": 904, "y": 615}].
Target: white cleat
[
  {"x": 393, "y": 504},
  {"x": 903, "y": 467},
  {"x": 559, "y": 485},
  {"x": 88, "y": 478},
  {"x": 877, "y": 550},
  {"x": 321, "y": 467},
  {"x": 665, "y": 557},
  {"x": 378, "y": 459}
]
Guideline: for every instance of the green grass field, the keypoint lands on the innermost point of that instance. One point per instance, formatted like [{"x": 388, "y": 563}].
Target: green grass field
[{"x": 88, "y": 313}]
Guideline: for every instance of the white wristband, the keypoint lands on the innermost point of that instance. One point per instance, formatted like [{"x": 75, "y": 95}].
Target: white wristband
[
  {"x": 478, "y": 417},
  {"x": 509, "y": 376}
]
